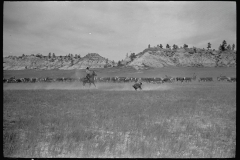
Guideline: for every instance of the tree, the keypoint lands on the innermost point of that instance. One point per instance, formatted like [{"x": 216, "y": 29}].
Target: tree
[
  {"x": 132, "y": 56},
  {"x": 76, "y": 56},
  {"x": 53, "y": 55},
  {"x": 233, "y": 46},
  {"x": 229, "y": 47},
  {"x": 185, "y": 46},
  {"x": 167, "y": 46},
  {"x": 119, "y": 63},
  {"x": 160, "y": 46},
  {"x": 49, "y": 55},
  {"x": 209, "y": 45},
  {"x": 149, "y": 46},
  {"x": 127, "y": 55},
  {"x": 173, "y": 46},
  {"x": 79, "y": 56},
  {"x": 224, "y": 45}
]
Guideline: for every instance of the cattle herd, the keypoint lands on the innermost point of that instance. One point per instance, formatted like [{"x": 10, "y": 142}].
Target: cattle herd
[{"x": 166, "y": 79}]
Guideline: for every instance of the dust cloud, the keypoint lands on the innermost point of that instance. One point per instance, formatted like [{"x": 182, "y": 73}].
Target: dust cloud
[{"x": 79, "y": 86}]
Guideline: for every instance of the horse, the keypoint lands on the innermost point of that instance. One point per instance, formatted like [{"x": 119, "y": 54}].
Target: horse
[{"x": 90, "y": 80}]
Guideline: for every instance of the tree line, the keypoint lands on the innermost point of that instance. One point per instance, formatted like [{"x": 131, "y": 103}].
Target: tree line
[{"x": 222, "y": 46}]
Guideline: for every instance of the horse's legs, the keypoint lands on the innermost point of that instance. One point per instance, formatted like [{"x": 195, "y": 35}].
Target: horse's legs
[{"x": 94, "y": 84}]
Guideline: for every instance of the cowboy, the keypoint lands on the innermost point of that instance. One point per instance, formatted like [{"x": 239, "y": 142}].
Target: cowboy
[{"x": 88, "y": 73}]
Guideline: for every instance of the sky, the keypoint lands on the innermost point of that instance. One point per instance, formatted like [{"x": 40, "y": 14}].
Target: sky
[{"x": 114, "y": 29}]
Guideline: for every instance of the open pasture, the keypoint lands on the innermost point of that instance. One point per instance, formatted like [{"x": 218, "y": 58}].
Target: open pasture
[{"x": 167, "y": 120}]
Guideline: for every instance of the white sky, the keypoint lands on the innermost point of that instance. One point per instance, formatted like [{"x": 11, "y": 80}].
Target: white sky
[{"x": 113, "y": 29}]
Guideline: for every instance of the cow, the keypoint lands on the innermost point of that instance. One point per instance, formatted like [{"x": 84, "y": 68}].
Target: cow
[
  {"x": 187, "y": 79},
  {"x": 121, "y": 79},
  {"x": 181, "y": 79},
  {"x": 41, "y": 79},
  {"x": 232, "y": 79},
  {"x": 167, "y": 79},
  {"x": 113, "y": 79},
  {"x": 5, "y": 80},
  {"x": 60, "y": 79},
  {"x": 11, "y": 80},
  {"x": 205, "y": 79},
  {"x": 26, "y": 79},
  {"x": 19, "y": 80},
  {"x": 157, "y": 80},
  {"x": 222, "y": 78},
  {"x": 68, "y": 79},
  {"x": 33, "y": 80},
  {"x": 48, "y": 79},
  {"x": 127, "y": 79},
  {"x": 137, "y": 85}
]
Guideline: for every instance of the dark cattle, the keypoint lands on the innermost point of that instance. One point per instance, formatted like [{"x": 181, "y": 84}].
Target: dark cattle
[
  {"x": 33, "y": 80},
  {"x": 232, "y": 79},
  {"x": 105, "y": 79},
  {"x": 205, "y": 79},
  {"x": 48, "y": 79},
  {"x": 187, "y": 79},
  {"x": 133, "y": 79},
  {"x": 5, "y": 80},
  {"x": 157, "y": 80},
  {"x": 41, "y": 79},
  {"x": 137, "y": 85},
  {"x": 113, "y": 79},
  {"x": 181, "y": 79},
  {"x": 121, "y": 79},
  {"x": 222, "y": 78},
  {"x": 90, "y": 80},
  {"x": 11, "y": 80},
  {"x": 167, "y": 80},
  {"x": 68, "y": 79},
  {"x": 127, "y": 79},
  {"x": 19, "y": 80},
  {"x": 26, "y": 79},
  {"x": 60, "y": 79},
  {"x": 147, "y": 80}
]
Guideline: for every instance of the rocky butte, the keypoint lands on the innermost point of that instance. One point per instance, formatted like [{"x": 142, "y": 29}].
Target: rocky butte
[
  {"x": 155, "y": 57},
  {"x": 92, "y": 60}
]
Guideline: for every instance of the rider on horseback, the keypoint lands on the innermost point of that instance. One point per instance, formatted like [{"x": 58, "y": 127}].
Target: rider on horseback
[{"x": 88, "y": 73}]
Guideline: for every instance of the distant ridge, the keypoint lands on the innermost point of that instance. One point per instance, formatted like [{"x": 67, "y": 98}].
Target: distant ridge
[
  {"x": 151, "y": 57},
  {"x": 92, "y": 60},
  {"x": 158, "y": 57}
]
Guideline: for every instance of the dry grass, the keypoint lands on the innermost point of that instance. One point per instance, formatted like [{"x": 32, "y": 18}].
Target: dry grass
[{"x": 195, "y": 120}]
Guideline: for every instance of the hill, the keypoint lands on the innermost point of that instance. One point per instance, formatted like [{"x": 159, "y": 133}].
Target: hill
[
  {"x": 154, "y": 57},
  {"x": 92, "y": 60},
  {"x": 157, "y": 57}
]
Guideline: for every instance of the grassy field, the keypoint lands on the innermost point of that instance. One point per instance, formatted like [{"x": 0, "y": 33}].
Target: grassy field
[{"x": 194, "y": 120}]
